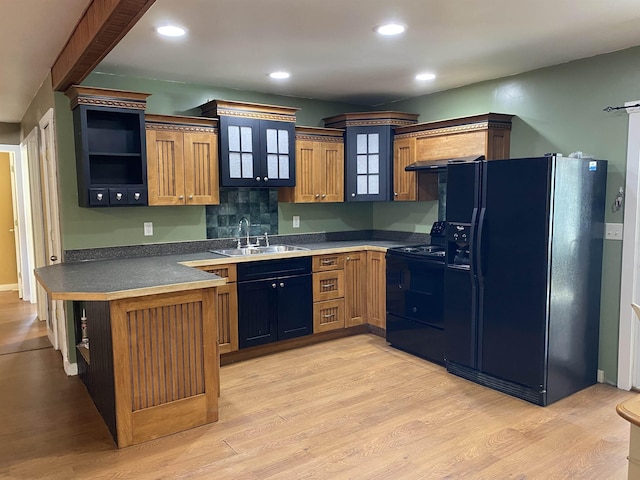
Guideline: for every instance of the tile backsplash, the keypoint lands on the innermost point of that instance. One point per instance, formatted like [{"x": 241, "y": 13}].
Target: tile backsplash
[{"x": 258, "y": 205}]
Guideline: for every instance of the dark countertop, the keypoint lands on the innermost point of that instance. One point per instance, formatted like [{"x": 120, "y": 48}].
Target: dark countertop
[{"x": 103, "y": 280}]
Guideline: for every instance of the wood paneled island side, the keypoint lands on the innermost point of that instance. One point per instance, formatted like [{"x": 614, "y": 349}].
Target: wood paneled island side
[{"x": 152, "y": 362}]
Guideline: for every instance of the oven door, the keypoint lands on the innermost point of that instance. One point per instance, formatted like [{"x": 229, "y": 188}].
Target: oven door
[{"x": 415, "y": 288}]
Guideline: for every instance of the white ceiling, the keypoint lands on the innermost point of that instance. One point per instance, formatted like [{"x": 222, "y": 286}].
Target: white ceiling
[
  {"x": 333, "y": 54},
  {"x": 328, "y": 45},
  {"x": 32, "y": 34}
]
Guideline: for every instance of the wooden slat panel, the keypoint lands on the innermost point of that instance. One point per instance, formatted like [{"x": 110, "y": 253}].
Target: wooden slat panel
[
  {"x": 376, "y": 308},
  {"x": 404, "y": 183},
  {"x": 201, "y": 168},
  {"x": 165, "y": 167},
  {"x": 355, "y": 295},
  {"x": 333, "y": 171},
  {"x": 166, "y": 363},
  {"x": 227, "y": 298}
]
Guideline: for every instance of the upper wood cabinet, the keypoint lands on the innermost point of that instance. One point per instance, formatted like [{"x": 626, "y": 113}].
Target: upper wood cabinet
[
  {"x": 111, "y": 162},
  {"x": 319, "y": 167},
  {"x": 182, "y": 160},
  {"x": 369, "y": 153},
  {"x": 487, "y": 135},
  {"x": 257, "y": 143}
]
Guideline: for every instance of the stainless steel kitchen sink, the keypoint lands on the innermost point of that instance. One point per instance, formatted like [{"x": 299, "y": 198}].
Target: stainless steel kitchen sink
[{"x": 262, "y": 250}]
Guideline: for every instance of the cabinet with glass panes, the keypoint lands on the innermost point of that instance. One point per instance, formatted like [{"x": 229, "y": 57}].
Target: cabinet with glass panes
[
  {"x": 257, "y": 143},
  {"x": 369, "y": 152}
]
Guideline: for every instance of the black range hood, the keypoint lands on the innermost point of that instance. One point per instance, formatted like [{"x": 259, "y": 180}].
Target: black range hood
[{"x": 437, "y": 166}]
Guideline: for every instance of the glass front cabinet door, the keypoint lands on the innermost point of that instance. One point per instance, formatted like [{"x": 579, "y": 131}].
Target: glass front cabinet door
[
  {"x": 257, "y": 143},
  {"x": 369, "y": 152}
]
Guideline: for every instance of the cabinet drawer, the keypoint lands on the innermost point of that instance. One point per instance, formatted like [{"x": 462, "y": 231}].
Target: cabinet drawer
[
  {"x": 328, "y": 315},
  {"x": 98, "y": 197},
  {"x": 137, "y": 196},
  {"x": 118, "y": 196},
  {"x": 225, "y": 271},
  {"x": 328, "y": 285},
  {"x": 322, "y": 263}
]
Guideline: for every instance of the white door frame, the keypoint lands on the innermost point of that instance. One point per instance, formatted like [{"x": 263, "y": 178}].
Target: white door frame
[
  {"x": 51, "y": 214},
  {"x": 629, "y": 278},
  {"x": 16, "y": 222},
  {"x": 23, "y": 200}
]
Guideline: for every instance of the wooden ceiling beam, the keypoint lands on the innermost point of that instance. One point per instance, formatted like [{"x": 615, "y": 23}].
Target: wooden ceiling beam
[{"x": 102, "y": 26}]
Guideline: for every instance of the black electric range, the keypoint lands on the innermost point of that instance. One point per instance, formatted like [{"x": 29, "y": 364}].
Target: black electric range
[{"x": 415, "y": 296}]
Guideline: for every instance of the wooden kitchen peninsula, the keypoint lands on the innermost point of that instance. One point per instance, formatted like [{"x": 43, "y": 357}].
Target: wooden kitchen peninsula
[{"x": 152, "y": 368}]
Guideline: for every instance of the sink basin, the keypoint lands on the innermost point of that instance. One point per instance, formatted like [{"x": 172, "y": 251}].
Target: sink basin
[{"x": 241, "y": 252}]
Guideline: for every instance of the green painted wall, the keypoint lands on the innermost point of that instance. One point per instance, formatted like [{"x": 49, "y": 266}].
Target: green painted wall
[
  {"x": 558, "y": 109},
  {"x": 9, "y": 134}
]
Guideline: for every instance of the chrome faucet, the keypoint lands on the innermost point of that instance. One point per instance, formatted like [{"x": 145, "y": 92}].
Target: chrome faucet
[{"x": 243, "y": 219}]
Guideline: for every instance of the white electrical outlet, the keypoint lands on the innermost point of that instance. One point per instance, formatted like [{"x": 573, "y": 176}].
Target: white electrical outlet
[
  {"x": 613, "y": 231},
  {"x": 296, "y": 221},
  {"x": 148, "y": 229}
]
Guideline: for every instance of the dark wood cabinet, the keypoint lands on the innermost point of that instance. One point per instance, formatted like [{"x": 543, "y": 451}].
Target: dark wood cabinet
[
  {"x": 257, "y": 143},
  {"x": 369, "y": 152},
  {"x": 110, "y": 146},
  {"x": 274, "y": 301}
]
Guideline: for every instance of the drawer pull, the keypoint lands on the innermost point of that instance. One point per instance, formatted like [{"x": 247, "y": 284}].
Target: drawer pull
[
  {"x": 329, "y": 315},
  {"x": 329, "y": 261},
  {"x": 328, "y": 285}
]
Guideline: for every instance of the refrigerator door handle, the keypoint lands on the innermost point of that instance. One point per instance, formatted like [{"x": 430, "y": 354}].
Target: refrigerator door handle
[
  {"x": 472, "y": 240},
  {"x": 478, "y": 253}
]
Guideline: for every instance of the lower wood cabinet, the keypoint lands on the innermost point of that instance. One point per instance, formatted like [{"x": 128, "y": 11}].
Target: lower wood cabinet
[
  {"x": 152, "y": 369},
  {"x": 355, "y": 296},
  {"x": 328, "y": 292},
  {"x": 376, "y": 294},
  {"x": 227, "y": 305}
]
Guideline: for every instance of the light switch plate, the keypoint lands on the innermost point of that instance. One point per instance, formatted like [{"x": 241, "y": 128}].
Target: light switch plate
[
  {"x": 296, "y": 221},
  {"x": 613, "y": 231},
  {"x": 148, "y": 229}
]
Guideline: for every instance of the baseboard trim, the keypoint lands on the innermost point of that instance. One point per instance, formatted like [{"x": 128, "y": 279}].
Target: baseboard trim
[
  {"x": 8, "y": 287},
  {"x": 70, "y": 369}
]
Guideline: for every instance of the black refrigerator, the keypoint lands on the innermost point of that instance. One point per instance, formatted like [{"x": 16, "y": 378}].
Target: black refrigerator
[{"x": 523, "y": 273}]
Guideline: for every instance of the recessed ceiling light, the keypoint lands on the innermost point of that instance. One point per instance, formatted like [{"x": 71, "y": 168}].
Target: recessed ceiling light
[
  {"x": 279, "y": 75},
  {"x": 425, "y": 76},
  {"x": 171, "y": 31},
  {"x": 390, "y": 29}
]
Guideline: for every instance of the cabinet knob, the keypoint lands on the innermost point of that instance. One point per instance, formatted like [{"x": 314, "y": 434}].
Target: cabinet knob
[
  {"x": 273, "y": 285},
  {"x": 317, "y": 195},
  {"x": 324, "y": 195},
  {"x": 281, "y": 284},
  {"x": 136, "y": 196},
  {"x": 99, "y": 197},
  {"x": 395, "y": 194},
  {"x": 266, "y": 178},
  {"x": 348, "y": 258},
  {"x": 181, "y": 197},
  {"x": 53, "y": 258},
  {"x": 257, "y": 179},
  {"x": 353, "y": 194},
  {"x": 190, "y": 197},
  {"x": 118, "y": 196}
]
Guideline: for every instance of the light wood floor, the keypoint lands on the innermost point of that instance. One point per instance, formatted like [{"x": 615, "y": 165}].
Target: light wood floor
[
  {"x": 20, "y": 330},
  {"x": 352, "y": 408}
]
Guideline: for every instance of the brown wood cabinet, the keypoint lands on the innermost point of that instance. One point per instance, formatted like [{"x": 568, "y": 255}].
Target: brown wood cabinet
[
  {"x": 153, "y": 368},
  {"x": 328, "y": 292},
  {"x": 376, "y": 293},
  {"x": 182, "y": 160},
  {"x": 227, "y": 305},
  {"x": 487, "y": 134},
  {"x": 319, "y": 167},
  {"x": 356, "y": 288}
]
